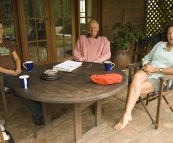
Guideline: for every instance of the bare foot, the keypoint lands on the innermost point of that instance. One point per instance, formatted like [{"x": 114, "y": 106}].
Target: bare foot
[{"x": 123, "y": 122}]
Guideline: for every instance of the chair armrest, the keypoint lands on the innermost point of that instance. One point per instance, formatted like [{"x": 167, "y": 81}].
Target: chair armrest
[
  {"x": 135, "y": 65},
  {"x": 168, "y": 88},
  {"x": 132, "y": 69},
  {"x": 166, "y": 77}
]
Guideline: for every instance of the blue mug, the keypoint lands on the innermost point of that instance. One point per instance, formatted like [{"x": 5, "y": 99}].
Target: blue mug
[
  {"x": 108, "y": 65},
  {"x": 28, "y": 65},
  {"x": 24, "y": 80}
]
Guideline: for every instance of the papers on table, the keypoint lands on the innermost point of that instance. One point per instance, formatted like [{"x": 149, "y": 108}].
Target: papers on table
[{"x": 67, "y": 66}]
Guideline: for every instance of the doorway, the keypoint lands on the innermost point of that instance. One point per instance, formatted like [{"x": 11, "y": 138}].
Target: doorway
[
  {"x": 46, "y": 27},
  {"x": 46, "y": 31}
]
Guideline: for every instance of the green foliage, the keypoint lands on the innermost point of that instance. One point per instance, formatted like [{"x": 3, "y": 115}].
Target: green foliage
[{"x": 126, "y": 33}]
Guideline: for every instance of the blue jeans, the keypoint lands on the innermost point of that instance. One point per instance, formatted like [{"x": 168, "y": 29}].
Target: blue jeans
[{"x": 34, "y": 106}]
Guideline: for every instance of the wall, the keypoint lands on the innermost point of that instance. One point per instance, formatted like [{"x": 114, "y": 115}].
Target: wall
[{"x": 112, "y": 11}]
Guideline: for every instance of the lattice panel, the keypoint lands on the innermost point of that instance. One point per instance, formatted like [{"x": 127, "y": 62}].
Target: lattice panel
[{"x": 158, "y": 15}]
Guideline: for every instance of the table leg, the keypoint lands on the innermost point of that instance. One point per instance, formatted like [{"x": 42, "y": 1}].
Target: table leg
[
  {"x": 98, "y": 112},
  {"x": 46, "y": 113},
  {"x": 77, "y": 121},
  {"x": 94, "y": 130},
  {"x": 42, "y": 131}
]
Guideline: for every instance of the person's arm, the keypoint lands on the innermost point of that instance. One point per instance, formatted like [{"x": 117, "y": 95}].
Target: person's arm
[
  {"x": 17, "y": 62},
  {"x": 8, "y": 71},
  {"x": 149, "y": 56},
  {"x": 18, "y": 66},
  {"x": 150, "y": 69},
  {"x": 163, "y": 70},
  {"x": 77, "y": 51},
  {"x": 106, "y": 53}
]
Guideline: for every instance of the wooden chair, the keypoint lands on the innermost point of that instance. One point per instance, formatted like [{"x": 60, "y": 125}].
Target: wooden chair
[
  {"x": 4, "y": 94},
  {"x": 163, "y": 92},
  {"x": 142, "y": 47},
  {"x": 3, "y": 97}
]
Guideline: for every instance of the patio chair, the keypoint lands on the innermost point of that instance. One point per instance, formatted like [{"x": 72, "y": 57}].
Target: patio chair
[
  {"x": 164, "y": 91},
  {"x": 5, "y": 92},
  {"x": 142, "y": 47}
]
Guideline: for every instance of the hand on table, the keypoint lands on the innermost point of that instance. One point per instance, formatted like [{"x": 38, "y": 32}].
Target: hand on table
[{"x": 15, "y": 72}]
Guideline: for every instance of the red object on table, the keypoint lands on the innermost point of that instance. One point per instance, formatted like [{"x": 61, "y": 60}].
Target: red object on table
[{"x": 105, "y": 79}]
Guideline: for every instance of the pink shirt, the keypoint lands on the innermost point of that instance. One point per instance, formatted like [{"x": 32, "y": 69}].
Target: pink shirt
[{"x": 91, "y": 49}]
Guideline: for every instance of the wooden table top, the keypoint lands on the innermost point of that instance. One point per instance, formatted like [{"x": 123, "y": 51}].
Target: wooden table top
[{"x": 74, "y": 87}]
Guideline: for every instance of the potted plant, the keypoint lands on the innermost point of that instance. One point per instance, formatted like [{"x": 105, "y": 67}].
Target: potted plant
[{"x": 126, "y": 34}]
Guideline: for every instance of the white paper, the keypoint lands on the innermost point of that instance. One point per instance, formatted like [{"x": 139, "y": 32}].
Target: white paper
[{"x": 67, "y": 66}]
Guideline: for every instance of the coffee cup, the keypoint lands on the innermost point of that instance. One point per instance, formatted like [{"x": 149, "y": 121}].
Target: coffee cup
[
  {"x": 108, "y": 65},
  {"x": 28, "y": 65},
  {"x": 24, "y": 80}
]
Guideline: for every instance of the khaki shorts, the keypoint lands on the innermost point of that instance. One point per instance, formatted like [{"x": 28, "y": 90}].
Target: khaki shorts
[{"x": 155, "y": 83}]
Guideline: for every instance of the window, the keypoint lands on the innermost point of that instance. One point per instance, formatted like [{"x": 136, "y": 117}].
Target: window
[
  {"x": 46, "y": 31},
  {"x": 7, "y": 19},
  {"x": 86, "y": 14},
  {"x": 63, "y": 27}
]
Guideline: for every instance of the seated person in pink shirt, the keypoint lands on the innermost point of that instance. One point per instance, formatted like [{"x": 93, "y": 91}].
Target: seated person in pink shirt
[{"x": 92, "y": 47}]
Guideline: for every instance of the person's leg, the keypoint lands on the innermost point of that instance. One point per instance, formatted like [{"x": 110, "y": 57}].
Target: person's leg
[
  {"x": 139, "y": 85},
  {"x": 34, "y": 106},
  {"x": 8, "y": 80}
]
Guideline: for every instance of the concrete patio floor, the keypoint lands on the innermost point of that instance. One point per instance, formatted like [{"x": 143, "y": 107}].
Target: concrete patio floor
[{"x": 139, "y": 130}]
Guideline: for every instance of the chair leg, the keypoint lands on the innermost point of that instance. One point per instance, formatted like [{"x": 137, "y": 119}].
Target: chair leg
[
  {"x": 167, "y": 102},
  {"x": 148, "y": 112},
  {"x": 158, "y": 110},
  {"x": 150, "y": 98},
  {"x": 147, "y": 100},
  {"x": 4, "y": 101}
]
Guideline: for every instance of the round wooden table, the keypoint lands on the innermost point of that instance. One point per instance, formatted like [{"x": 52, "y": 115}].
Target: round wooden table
[{"x": 75, "y": 88}]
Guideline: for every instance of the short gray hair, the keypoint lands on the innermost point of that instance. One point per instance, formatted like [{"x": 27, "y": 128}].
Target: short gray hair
[{"x": 89, "y": 23}]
